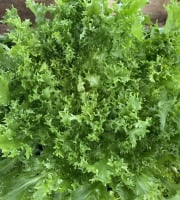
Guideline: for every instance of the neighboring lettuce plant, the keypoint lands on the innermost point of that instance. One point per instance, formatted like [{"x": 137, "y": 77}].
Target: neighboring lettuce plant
[{"x": 90, "y": 103}]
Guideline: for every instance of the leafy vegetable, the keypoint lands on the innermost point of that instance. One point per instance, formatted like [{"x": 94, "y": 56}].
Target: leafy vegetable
[{"x": 90, "y": 103}]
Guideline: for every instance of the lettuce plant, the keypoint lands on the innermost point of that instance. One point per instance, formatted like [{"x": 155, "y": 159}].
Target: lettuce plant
[{"x": 90, "y": 103}]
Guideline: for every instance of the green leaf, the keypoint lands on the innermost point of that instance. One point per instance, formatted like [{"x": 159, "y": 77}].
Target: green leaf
[
  {"x": 134, "y": 6},
  {"x": 165, "y": 106},
  {"x": 89, "y": 103},
  {"x": 39, "y": 10},
  {"x": 137, "y": 29},
  {"x": 91, "y": 192},
  {"x": 6, "y": 165},
  {"x": 172, "y": 22},
  {"x": 176, "y": 197},
  {"x": 9, "y": 147},
  {"x": 19, "y": 187},
  {"x": 4, "y": 90}
]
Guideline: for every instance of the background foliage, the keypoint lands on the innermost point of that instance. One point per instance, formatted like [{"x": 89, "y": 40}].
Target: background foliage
[{"x": 90, "y": 103}]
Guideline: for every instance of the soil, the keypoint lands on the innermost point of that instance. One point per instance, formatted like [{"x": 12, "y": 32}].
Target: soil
[{"x": 156, "y": 10}]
